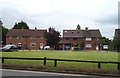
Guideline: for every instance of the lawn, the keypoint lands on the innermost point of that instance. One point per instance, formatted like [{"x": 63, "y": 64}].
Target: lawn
[{"x": 66, "y": 66}]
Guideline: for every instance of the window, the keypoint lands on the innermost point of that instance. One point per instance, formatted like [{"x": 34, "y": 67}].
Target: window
[
  {"x": 10, "y": 37},
  {"x": 41, "y": 44},
  {"x": 67, "y": 38},
  {"x": 97, "y": 38},
  {"x": 88, "y": 39},
  {"x": 65, "y": 32},
  {"x": 32, "y": 44},
  {"x": 32, "y": 37},
  {"x": 88, "y": 45},
  {"x": 75, "y": 38},
  {"x": 19, "y": 37},
  {"x": 42, "y": 37},
  {"x": 19, "y": 45},
  {"x": 75, "y": 45}
]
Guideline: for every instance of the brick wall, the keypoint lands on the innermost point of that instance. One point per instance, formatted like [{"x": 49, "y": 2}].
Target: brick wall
[
  {"x": 26, "y": 42},
  {"x": 93, "y": 42}
]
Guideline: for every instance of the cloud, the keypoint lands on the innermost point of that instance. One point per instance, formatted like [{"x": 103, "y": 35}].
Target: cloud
[
  {"x": 110, "y": 20},
  {"x": 61, "y": 14}
]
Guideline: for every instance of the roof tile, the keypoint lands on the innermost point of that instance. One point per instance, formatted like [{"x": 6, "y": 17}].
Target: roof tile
[{"x": 26, "y": 32}]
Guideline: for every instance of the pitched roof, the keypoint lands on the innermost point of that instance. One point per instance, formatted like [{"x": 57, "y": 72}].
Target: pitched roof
[
  {"x": 26, "y": 32},
  {"x": 81, "y": 33},
  {"x": 117, "y": 33}
]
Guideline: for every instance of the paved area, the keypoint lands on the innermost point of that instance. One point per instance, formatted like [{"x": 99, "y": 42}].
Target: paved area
[{"x": 9, "y": 72}]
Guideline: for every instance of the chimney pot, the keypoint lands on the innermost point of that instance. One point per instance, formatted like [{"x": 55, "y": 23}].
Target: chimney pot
[{"x": 86, "y": 28}]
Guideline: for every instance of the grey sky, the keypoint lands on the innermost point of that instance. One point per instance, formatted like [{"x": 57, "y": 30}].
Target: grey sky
[{"x": 62, "y": 14}]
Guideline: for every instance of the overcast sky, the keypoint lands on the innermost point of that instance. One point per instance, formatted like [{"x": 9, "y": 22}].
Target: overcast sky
[{"x": 62, "y": 14}]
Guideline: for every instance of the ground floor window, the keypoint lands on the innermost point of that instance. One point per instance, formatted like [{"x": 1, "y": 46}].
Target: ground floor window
[
  {"x": 88, "y": 45},
  {"x": 32, "y": 44},
  {"x": 19, "y": 45}
]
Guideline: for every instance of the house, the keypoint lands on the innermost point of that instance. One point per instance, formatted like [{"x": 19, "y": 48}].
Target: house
[
  {"x": 83, "y": 39},
  {"x": 27, "y": 38}
]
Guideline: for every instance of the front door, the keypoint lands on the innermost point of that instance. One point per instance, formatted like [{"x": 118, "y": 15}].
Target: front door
[
  {"x": 97, "y": 47},
  {"x": 41, "y": 45}
]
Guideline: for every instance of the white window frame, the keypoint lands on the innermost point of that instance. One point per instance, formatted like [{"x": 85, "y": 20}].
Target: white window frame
[
  {"x": 32, "y": 37},
  {"x": 31, "y": 44},
  {"x": 88, "y": 39},
  {"x": 88, "y": 45},
  {"x": 97, "y": 38},
  {"x": 19, "y": 37},
  {"x": 65, "y": 32},
  {"x": 41, "y": 44},
  {"x": 10, "y": 37},
  {"x": 42, "y": 38}
]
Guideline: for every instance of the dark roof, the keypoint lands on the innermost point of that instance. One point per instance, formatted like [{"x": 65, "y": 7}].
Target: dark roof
[
  {"x": 26, "y": 32},
  {"x": 117, "y": 33},
  {"x": 81, "y": 33}
]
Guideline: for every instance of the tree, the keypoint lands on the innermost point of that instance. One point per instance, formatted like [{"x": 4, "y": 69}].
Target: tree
[
  {"x": 1, "y": 29},
  {"x": 106, "y": 41},
  {"x": 78, "y": 27},
  {"x": 4, "y": 31},
  {"x": 52, "y": 37},
  {"x": 21, "y": 25},
  {"x": 1, "y": 22}
]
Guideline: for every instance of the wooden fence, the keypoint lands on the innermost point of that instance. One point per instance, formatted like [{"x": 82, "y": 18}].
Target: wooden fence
[{"x": 56, "y": 60}]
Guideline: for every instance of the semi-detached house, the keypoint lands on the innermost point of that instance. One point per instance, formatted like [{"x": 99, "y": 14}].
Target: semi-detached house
[
  {"x": 28, "y": 38},
  {"x": 88, "y": 39}
]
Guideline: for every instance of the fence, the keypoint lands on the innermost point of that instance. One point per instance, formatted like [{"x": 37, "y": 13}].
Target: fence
[{"x": 56, "y": 60}]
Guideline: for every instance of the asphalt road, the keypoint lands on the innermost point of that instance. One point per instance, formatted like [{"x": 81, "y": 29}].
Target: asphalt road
[{"x": 9, "y": 72}]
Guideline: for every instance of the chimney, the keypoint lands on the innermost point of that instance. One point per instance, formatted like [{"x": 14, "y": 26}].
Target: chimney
[
  {"x": 86, "y": 28},
  {"x": 35, "y": 28}
]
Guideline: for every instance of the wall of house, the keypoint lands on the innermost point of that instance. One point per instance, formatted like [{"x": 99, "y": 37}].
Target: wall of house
[
  {"x": 15, "y": 41},
  {"x": 79, "y": 41},
  {"x": 38, "y": 40},
  {"x": 94, "y": 42},
  {"x": 26, "y": 42},
  {"x": 74, "y": 41}
]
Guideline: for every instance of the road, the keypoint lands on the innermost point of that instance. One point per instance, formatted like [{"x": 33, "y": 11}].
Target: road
[{"x": 9, "y": 72}]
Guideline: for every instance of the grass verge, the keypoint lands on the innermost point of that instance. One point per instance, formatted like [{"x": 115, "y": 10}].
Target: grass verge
[{"x": 65, "y": 66}]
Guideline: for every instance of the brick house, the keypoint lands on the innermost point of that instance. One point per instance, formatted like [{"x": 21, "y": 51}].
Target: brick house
[
  {"x": 27, "y": 38},
  {"x": 84, "y": 39}
]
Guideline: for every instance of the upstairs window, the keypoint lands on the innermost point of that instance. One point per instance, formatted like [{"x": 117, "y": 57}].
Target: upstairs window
[
  {"x": 32, "y": 37},
  {"x": 19, "y": 37},
  {"x": 72, "y": 32},
  {"x": 67, "y": 38},
  {"x": 65, "y": 32},
  {"x": 75, "y": 38},
  {"x": 42, "y": 38},
  {"x": 10, "y": 37},
  {"x": 97, "y": 38},
  {"x": 88, "y": 39}
]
